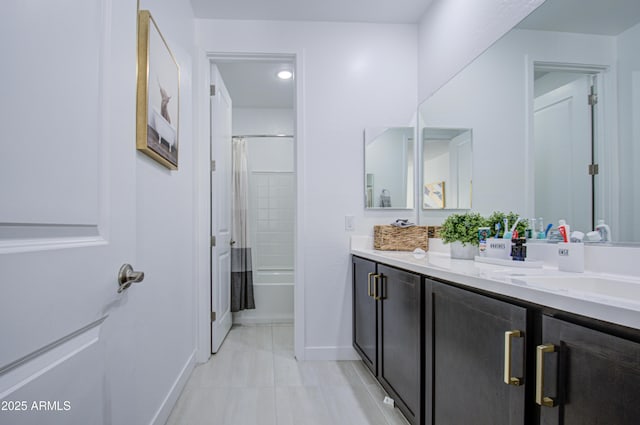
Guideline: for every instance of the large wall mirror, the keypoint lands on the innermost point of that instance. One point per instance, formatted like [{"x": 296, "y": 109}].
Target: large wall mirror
[
  {"x": 554, "y": 106},
  {"x": 389, "y": 167}
]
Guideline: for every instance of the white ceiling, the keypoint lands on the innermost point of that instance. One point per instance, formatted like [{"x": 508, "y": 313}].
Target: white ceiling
[
  {"x": 603, "y": 17},
  {"x": 378, "y": 11},
  {"x": 253, "y": 84}
]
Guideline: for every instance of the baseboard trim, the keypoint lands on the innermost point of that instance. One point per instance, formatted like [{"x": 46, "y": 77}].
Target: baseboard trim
[
  {"x": 331, "y": 353},
  {"x": 273, "y": 320},
  {"x": 163, "y": 412}
]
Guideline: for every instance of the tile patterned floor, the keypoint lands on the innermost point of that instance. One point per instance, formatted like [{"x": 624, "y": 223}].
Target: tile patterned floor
[{"x": 254, "y": 379}]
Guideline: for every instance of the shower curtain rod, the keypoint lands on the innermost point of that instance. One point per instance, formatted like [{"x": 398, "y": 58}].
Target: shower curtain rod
[{"x": 238, "y": 136}]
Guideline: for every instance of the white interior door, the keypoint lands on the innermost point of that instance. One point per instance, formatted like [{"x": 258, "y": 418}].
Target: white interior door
[
  {"x": 562, "y": 137},
  {"x": 463, "y": 165},
  {"x": 220, "y": 210},
  {"x": 68, "y": 170}
]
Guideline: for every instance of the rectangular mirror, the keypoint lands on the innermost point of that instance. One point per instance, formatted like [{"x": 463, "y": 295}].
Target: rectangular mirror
[
  {"x": 389, "y": 167},
  {"x": 553, "y": 105},
  {"x": 446, "y": 168}
]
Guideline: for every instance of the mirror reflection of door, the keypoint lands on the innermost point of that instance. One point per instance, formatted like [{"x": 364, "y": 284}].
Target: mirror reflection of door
[
  {"x": 446, "y": 168},
  {"x": 464, "y": 166},
  {"x": 564, "y": 146},
  {"x": 389, "y": 167}
]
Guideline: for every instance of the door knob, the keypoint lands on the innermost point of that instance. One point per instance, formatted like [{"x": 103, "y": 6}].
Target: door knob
[{"x": 127, "y": 276}]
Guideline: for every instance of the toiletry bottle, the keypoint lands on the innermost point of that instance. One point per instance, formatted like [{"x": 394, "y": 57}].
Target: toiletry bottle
[
  {"x": 530, "y": 230},
  {"x": 541, "y": 232},
  {"x": 605, "y": 232},
  {"x": 483, "y": 235},
  {"x": 564, "y": 230}
]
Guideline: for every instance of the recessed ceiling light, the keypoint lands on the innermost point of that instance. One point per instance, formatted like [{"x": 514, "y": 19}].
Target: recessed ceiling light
[{"x": 285, "y": 75}]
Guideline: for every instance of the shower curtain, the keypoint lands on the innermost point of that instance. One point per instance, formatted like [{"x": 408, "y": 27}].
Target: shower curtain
[{"x": 241, "y": 273}]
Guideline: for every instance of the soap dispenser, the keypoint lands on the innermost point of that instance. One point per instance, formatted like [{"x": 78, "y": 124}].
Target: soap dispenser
[{"x": 605, "y": 232}]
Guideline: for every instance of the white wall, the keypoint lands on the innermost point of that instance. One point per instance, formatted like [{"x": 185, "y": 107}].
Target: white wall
[
  {"x": 353, "y": 76},
  {"x": 164, "y": 305},
  {"x": 490, "y": 96},
  {"x": 263, "y": 120},
  {"x": 267, "y": 154},
  {"x": 270, "y": 163},
  {"x": 453, "y": 32},
  {"x": 271, "y": 168}
]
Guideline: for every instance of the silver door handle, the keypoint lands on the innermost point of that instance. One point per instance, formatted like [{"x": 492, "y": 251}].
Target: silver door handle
[{"x": 127, "y": 276}]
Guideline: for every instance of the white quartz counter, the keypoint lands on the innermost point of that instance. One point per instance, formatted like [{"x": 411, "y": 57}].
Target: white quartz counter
[{"x": 621, "y": 305}]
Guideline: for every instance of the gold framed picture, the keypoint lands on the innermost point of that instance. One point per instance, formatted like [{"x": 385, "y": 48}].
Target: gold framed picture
[
  {"x": 433, "y": 195},
  {"x": 158, "y": 95}
]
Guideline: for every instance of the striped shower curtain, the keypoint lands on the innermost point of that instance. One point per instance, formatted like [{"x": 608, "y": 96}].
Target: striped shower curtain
[{"x": 241, "y": 270}]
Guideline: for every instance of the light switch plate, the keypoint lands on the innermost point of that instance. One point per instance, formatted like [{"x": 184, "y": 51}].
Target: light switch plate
[{"x": 349, "y": 223}]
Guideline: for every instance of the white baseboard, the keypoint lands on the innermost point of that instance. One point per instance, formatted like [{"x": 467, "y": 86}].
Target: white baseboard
[
  {"x": 170, "y": 400},
  {"x": 239, "y": 319},
  {"x": 331, "y": 353}
]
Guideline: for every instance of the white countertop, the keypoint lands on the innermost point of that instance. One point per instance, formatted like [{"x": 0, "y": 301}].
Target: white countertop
[{"x": 512, "y": 282}]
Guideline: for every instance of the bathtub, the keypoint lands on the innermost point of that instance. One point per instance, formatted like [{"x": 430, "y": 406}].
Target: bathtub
[{"x": 273, "y": 292}]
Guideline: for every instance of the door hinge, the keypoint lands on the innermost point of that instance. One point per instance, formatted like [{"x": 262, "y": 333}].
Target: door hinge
[
  {"x": 593, "y": 99},
  {"x": 213, "y": 166},
  {"x": 213, "y": 241},
  {"x": 593, "y": 169},
  {"x": 213, "y": 316},
  {"x": 212, "y": 90}
]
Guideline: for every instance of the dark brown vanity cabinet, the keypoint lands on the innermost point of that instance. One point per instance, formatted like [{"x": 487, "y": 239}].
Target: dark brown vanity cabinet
[
  {"x": 388, "y": 332},
  {"x": 451, "y": 355},
  {"x": 400, "y": 365},
  {"x": 585, "y": 376},
  {"x": 475, "y": 356},
  {"x": 365, "y": 313}
]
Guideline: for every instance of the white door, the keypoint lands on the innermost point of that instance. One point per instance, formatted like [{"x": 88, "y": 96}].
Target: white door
[
  {"x": 67, "y": 185},
  {"x": 562, "y": 137},
  {"x": 464, "y": 175},
  {"x": 220, "y": 210}
]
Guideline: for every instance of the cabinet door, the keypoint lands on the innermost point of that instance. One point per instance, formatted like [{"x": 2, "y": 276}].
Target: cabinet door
[
  {"x": 401, "y": 343},
  {"x": 365, "y": 313},
  {"x": 589, "y": 377},
  {"x": 468, "y": 350}
]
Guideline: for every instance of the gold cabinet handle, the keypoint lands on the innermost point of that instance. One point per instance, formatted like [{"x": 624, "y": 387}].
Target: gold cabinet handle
[
  {"x": 369, "y": 285},
  {"x": 508, "y": 337},
  {"x": 540, "y": 352},
  {"x": 375, "y": 286},
  {"x": 376, "y": 281}
]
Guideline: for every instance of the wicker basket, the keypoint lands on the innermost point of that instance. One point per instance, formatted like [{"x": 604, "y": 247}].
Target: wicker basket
[
  {"x": 434, "y": 231},
  {"x": 391, "y": 238}
]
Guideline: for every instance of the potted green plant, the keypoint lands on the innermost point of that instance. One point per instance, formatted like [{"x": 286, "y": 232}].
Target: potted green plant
[{"x": 461, "y": 231}]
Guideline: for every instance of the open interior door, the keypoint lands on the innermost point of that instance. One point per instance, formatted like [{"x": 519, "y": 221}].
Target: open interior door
[
  {"x": 221, "y": 109},
  {"x": 67, "y": 223}
]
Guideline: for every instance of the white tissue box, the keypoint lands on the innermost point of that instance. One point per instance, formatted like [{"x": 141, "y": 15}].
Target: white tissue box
[
  {"x": 498, "y": 248},
  {"x": 571, "y": 257}
]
